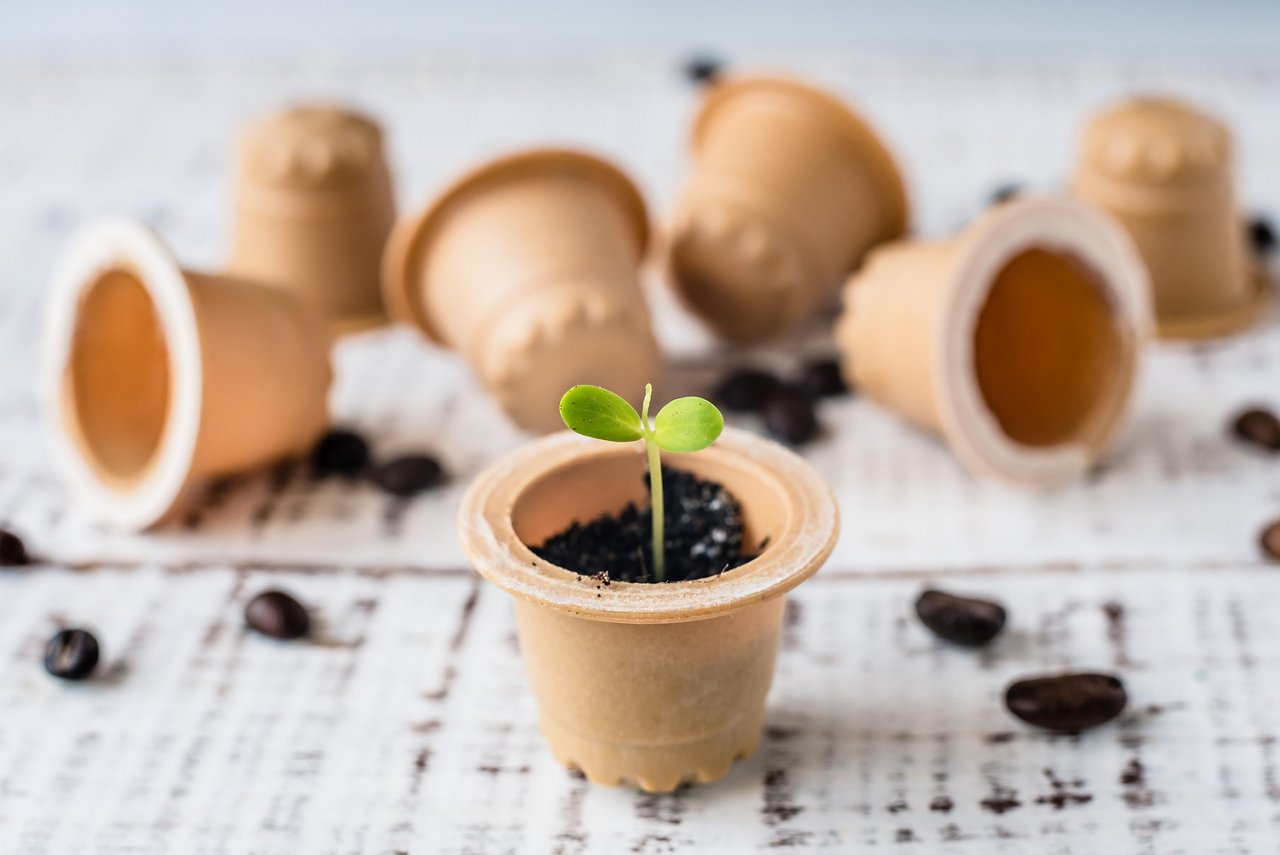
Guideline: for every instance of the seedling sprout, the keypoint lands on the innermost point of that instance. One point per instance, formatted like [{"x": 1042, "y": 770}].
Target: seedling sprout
[{"x": 683, "y": 425}]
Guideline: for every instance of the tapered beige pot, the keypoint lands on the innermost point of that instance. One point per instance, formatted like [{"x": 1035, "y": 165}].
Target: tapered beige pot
[
  {"x": 313, "y": 210},
  {"x": 788, "y": 191},
  {"x": 1167, "y": 172},
  {"x": 1017, "y": 340},
  {"x": 650, "y": 684},
  {"x": 529, "y": 267},
  {"x": 157, "y": 378}
]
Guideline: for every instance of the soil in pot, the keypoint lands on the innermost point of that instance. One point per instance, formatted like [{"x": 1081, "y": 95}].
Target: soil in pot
[{"x": 703, "y": 536}]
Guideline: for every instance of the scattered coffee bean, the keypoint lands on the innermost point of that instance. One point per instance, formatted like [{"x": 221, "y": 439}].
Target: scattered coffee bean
[
  {"x": 278, "y": 615},
  {"x": 340, "y": 452},
  {"x": 1068, "y": 701},
  {"x": 1005, "y": 192},
  {"x": 1269, "y": 540},
  {"x": 1262, "y": 235},
  {"x": 409, "y": 474},
  {"x": 822, "y": 379},
  {"x": 1259, "y": 427},
  {"x": 71, "y": 654},
  {"x": 703, "y": 69},
  {"x": 13, "y": 553},
  {"x": 963, "y": 620},
  {"x": 789, "y": 416},
  {"x": 746, "y": 390}
]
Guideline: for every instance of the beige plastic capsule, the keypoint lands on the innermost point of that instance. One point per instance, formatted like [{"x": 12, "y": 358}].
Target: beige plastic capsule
[
  {"x": 529, "y": 267},
  {"x": 313, "y": 210},
  {"x": 157, "y": 378},
  {"x": 649, "y": 684},
  {"x": 1017, "y": 340},
  {"x": 789, "y": 189},
  {"x": 1166, "y": 172}
]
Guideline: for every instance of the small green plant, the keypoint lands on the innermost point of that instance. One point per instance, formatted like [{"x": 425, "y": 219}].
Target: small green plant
[{"x": 685, "y": 424}]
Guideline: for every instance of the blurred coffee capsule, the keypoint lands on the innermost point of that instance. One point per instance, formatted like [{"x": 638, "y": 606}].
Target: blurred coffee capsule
[
  {"x": 313, "y": 210},
  {"x": 1166, "y": 171},
  {"x": 158, "y": 378},
  {"x": 529, "y": 267},
  {"x": 1018, "y": 340},
  {"x": 789, "y": 189}
]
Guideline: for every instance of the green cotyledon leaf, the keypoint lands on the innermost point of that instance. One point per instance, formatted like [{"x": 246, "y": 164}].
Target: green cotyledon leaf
[
  {"x": 687, "y": 424},
  {"x": 600, "y": 414}
]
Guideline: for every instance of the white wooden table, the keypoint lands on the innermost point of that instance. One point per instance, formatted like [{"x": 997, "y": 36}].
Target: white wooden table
[{"x": 406, "y": 725}]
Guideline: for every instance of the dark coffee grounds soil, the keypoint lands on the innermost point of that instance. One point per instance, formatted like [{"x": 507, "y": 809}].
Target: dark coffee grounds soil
[{"x": 703, "y": 536}]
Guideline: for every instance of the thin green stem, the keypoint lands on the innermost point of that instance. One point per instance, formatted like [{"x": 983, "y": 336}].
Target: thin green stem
[
  {"x": 655, "y": 490},
  {"x": 655, "y": 501}
]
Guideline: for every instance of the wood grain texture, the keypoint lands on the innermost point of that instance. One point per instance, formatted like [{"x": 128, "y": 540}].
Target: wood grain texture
[{"x": 406, "y": 726}]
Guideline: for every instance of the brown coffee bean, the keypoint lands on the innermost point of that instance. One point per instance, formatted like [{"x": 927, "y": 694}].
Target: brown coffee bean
[
  {"x": 71, "y": 654},
  {"x": 822, "y": 378},
  {"x": 1269, "y": 540},
  {"x": 409, "y": 475},
  {"x": 746, "y": 390},
  {"x": 278, "y": 615},
  {"x": 340, "y": 452},
  {"x": 1005, "y": 192},
  {"x": 703, "y": 69},
  {"x": 1068, "y": 702},
  {"x": 1258, "y": 427},
  {"x": 963, "y": 620},
  {"x": 789, "y": 416},
  {"x": 13, "y": 552},
  {"x": 1262, "y": 235}
]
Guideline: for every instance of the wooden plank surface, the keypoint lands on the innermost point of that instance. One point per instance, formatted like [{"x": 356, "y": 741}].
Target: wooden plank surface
[{"x": 407, "y": 725}]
